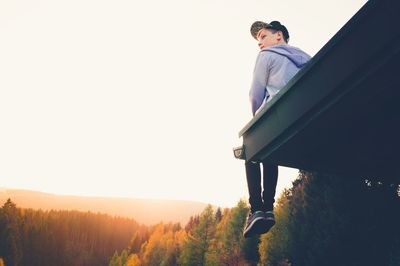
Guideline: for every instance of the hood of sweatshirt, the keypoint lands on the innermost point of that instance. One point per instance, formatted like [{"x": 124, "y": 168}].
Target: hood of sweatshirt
[{"x": 294, "y": 54}]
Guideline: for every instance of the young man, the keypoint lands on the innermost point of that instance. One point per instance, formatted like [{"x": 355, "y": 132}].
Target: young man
[{"x": 276, "y": 64}]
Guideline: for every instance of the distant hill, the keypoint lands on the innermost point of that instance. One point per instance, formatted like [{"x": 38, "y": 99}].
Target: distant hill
[{"x": 146, "y": 211}]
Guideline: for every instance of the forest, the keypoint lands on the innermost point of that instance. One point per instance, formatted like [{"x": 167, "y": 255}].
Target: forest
[
  {"x": 36, "y": 237},
  {"x": 321, "y": 220}
]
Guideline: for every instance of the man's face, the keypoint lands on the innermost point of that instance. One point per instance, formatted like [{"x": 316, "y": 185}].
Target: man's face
[{"x": 266, "y": 38}]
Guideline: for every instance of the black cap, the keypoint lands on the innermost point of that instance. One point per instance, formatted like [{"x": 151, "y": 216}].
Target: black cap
[{"x": 274, "y": 25}]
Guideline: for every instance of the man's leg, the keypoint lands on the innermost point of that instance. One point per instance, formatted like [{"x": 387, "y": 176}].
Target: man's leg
[
  {"x": 257, "y": 222},
  {"x": 253, "y": 175},
  {"x": 270, "y": 178}
]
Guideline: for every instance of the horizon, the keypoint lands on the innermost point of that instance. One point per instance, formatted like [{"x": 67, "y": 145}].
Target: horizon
[
  {"x": 5, "y": 189},
  {"x": 143, "y": 210}
]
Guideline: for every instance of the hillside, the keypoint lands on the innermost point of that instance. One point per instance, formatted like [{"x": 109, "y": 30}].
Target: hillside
[{"x": 146, "y": 211}]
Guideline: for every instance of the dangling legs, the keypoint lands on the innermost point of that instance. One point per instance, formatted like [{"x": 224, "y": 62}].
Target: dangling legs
[
  {"x": 253, "y": 175},
  {"x": 270, "y": 179},
  {"x": 258, "y": 221}
]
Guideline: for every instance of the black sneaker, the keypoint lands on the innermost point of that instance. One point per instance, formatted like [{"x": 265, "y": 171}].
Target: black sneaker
[
  {"x": 258, "y": 223},
  {"x": 269, "y": 215}
]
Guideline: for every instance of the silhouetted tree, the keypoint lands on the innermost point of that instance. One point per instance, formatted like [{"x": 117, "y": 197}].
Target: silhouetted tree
[
  {"x": 218, "y": 215},
  {"x": 326, "y": 215},
  {"x": 10, "y": 241}
]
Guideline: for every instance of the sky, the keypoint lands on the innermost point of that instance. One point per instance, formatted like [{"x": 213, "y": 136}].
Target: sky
[{"x": 140, "y": 99}]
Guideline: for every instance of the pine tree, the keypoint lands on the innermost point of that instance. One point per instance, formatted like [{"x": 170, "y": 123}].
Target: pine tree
[
  {"x": 275, "y": 245},
  {"x": 124, "y": 257},
  {"x": 218, "y": 215},
  {"x": 232, "y": 247},
  {"x": 10, "y": 242},
  {"x": 195, "y": 250},
  {"x": 115, "y": 260}
]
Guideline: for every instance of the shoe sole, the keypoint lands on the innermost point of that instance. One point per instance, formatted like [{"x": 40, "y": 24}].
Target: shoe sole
[{"x": 259, "y": 226}]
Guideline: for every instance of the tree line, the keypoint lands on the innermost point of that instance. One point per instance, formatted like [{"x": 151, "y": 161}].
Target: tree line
[
  {"x": 321, "y": 220},
  {"x": 213, "y": 237},
  {"x": 37, "y": 237}
]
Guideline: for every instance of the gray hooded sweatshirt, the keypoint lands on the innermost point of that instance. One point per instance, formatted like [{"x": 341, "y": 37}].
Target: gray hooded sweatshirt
[{"x": 275, "y": 66}]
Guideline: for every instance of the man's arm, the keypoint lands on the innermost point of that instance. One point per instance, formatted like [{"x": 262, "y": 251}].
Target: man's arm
[{"x": 258, "y": 90}]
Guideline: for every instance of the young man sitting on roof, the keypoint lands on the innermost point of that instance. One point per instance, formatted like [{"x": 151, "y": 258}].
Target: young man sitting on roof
[{"x": 276, "y": 64}]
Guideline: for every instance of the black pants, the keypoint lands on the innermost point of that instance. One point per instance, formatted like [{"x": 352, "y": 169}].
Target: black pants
[{"x": 264, "y": 201}]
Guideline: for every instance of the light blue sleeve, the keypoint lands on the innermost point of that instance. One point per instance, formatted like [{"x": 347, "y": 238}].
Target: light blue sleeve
[{"x": 258, "y": 90}]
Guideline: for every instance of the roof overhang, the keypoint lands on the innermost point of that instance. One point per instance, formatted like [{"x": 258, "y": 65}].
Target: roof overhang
[{"x": 340, "y": 113}]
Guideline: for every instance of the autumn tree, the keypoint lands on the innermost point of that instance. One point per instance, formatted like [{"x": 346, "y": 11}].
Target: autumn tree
[
  {"x": 162, "y": 248},
  {"x": 133, "y": 260},
  {"x": 196, "y": 248},
  {"x": 193, "y": 221},
  {"x": 230, "y": 247},
  {"x": 115, "y": 260}
]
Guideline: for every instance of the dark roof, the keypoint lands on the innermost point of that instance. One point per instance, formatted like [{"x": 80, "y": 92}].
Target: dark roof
[{"x": 340, "y": 113}]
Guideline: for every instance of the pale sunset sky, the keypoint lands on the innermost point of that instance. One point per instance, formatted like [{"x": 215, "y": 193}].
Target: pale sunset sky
[{"x": 140, "y": 99}]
